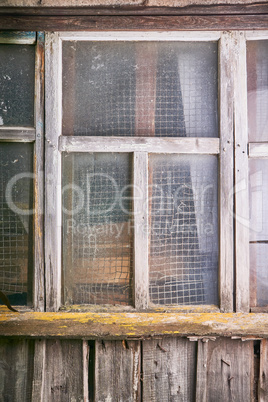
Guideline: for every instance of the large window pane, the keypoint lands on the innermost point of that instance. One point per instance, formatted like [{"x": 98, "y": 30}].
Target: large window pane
[
  {"x": 257, "y": 69},
  {"x": 17, "y": 63},
  {"x": 16, "y": 230},
  {"x": 183, "y": 229},
  {"x": 258, "y": 192},
  {"x": 97, "y": 234},
  {"x": 140, "y": 89}
]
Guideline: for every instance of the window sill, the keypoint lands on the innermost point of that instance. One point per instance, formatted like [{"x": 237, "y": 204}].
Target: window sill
[{"x": 132, "y": 325}]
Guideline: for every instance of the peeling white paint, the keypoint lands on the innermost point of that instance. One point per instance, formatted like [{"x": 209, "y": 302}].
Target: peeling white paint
[{"x": 1, "y": 121}]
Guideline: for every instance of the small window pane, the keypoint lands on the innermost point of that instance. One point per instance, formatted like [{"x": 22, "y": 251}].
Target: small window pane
[
  {"x": 258, "y": 193},
  {"x": 97, "y": 230},
  {"x": 16, "y": 244},
  {"x": 183, "y": 229},
  {"x": 164, "y": 89},
  {"x": 257, "y": 69},
  {"x": 17, "y": 85}
]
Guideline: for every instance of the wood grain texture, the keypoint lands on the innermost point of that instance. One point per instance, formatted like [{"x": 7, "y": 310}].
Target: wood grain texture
[
  {"x": 39, "y": 370},
  {"x": 17, "y": 134},
  {"x": 131, "y": 325},
  {"x": 52, "y": 173},
  {"x": 39, "y": 275},
  {"x": 136, "y": 144},
  {"x": 141, "y": 263},
  {"x": 168, "y": 370},
  {"x": 63, "y": 371},
  {"x": 229, "y": 370},
  {"x": 201, "y": 371},
  {"x": 16, "y": 369},
  {"x": 241, "y": 176},
  {"x": 263, "y": 375},
  {"x": 117, "y": 371},
  {"x": 226, "y": 79},
  {"x": 96, "y": 23}
]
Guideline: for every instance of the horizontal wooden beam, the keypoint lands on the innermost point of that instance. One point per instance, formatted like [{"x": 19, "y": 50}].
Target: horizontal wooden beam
[
  {"x": 95, "y": 23},
  {"x": 131, "y": 325},
  {"x": 17, "y": 134},
  {"x": 184, "y": 8},
  {"x": 258, "y": 150},
  {"x": 136, "y": 144},
  {"x": 17, "y": 37}
]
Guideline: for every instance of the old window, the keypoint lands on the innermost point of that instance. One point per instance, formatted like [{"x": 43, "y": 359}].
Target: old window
[{"x": 133, "y": 148}]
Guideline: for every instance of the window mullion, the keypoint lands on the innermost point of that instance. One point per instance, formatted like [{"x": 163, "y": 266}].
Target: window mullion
[
  {"x": 141, "y": 243},
  {"x": 241, "y": 176},
  {"x": 53, "y": 173},
  {"x": 226, "y": 60}
]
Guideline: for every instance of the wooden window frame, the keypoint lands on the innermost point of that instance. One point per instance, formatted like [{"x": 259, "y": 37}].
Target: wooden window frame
[
  {"x": 55, "y": 144},
  {"x": 34, "y": 135}
]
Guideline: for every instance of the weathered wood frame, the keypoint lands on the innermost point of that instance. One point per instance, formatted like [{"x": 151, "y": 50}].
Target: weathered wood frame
[
  {"x": 33, "y": 135},
  {"x": 56, "y": 143}
]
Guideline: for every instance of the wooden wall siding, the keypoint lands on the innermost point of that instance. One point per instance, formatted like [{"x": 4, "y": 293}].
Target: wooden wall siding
[
  {"x": 169, "y": 367},
  {"x": 16, "y": 370},
  {"x": 63, "y": 379},
  {"x": 263, "y": 375},
  {"x": 227, "y": 370},
  {"x": 117, "y": 371}
]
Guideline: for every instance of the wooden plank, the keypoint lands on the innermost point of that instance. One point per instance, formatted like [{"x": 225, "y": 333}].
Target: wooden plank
[
  {"x": 53, "y": 173},
  {"x": 140, "y": 216},
  {"x": 136, "y": 144},
  {"x": 226, "y": 59},
  {"x": 18, "y": 37},
  {"x": 133, "y": 325},
  {"x": 39, "y": 278},
  {"x": 16, "y": 369},
  {"x": 86, "y": 352},
  {"x": 168, "y": 369},
  {"x": 117, "y": 370},
  {"x": 241, "y": 177},
  {"x": 230, "y": 370},
  {"x": 95, "y": 23},
  {"x": 39, "y": 370},
  {"x": 183, "y": 9},
  {"x": 263, "y": 376},
  {"x": 63, "y": 371},
  {"x": 142, "y": 36},
  {"x": 255, "y": 35},
  {"x": 258, "y": 150},
  {"x": 17, "y": 134},
  {"x": 201, "y": 371}
]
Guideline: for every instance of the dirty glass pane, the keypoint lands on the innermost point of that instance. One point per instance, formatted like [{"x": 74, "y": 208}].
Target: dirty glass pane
[
  {"x": 16, "y": 229},
  {"x": 258, "y": 195},
  {"x": 183, "y": 229},
  {"x": 164, "y": 89},
  {"x": 97, "y": 234},
  {"x": 257, "y": 73},
  {"x": 17, "y": 85}
]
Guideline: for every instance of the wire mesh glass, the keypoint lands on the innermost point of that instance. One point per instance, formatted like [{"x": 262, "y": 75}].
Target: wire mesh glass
[
  {"x": 97, "y": 228},
  {"x": 17, "y": 70},
  {"x": 258, "y": 234},
  {"x": 257, "y": 82},
  {"x": 164, "y": 89},
  {"x": 16, "y": 229},
  {"x": 183, "y": 229}
]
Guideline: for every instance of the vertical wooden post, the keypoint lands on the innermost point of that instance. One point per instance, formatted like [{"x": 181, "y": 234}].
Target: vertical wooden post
[
  {"x": 241, "y": 176},
  {"x": 53, "y": 173},
  {"x": 140, "y": 211},
  {"x": 226, "y": 79},
  {"x": 39, "y": 279}
]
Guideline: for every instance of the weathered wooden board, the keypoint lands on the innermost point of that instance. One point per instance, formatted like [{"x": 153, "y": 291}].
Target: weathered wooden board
[
  {"x": 39, "y": 370},
  {"x": 227, "y": 367},
  {"x": 169, "y": 367},
  {"x": 16, "y": 369},
  {"x": 63, "y": 379},
  {"x": 87, "y": 23},
  {"x": 263, "y": 377},
  {"x": 117, "y": 371},
  {"x": 131, "y": 325}
]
